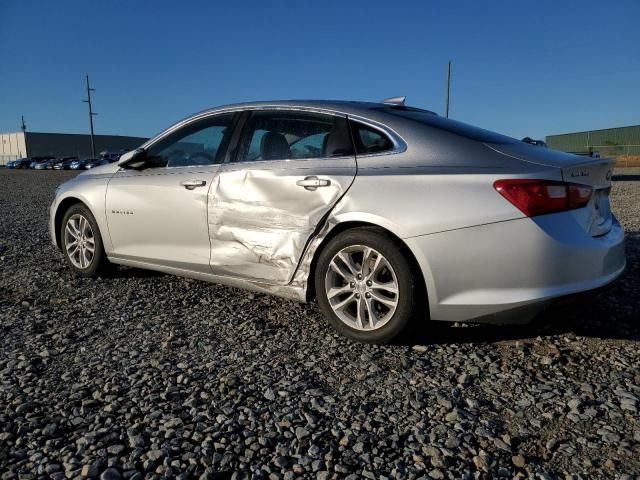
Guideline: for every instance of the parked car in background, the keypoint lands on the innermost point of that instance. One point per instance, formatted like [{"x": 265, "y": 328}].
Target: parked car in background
[
  {"x": 381, "y": 211},
  {"x": 103, "y": 160},
  {"x": 24, "y": 163},
  {"x": 78, "y": 164},
  {"x": 64, "y": 163},
  {"x": 19, "y": 163},
  {"x": 52, "y": 163},
  {"x": 111, "y": 156},
  {"x": 95, "y": 163},
  {"x": 36, "y": 160},
  {"x": 42, "y": 163}
]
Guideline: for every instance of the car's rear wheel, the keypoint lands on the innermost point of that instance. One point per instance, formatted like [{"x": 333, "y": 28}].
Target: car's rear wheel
[
  {"x": 81, "y": 241},
  {"x": 365, "y": 285}
]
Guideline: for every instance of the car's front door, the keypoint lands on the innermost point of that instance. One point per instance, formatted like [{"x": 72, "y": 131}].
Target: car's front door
[
  {"x": 158, "y": 214},
  {"x": 288, "y": 170}
]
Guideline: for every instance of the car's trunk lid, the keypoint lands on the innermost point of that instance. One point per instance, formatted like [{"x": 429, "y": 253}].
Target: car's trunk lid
[{"x": 596, "y": 217}]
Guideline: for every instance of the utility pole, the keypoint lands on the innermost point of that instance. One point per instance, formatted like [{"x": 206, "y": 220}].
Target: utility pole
[
  {"x": 446, "y": 102},
  {"x": 91, "y": 114},
  {"x": 23, "y": 127}
]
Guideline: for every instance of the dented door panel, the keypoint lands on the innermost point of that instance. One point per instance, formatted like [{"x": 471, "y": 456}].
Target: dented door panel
[{"x": 262, "y": 214}]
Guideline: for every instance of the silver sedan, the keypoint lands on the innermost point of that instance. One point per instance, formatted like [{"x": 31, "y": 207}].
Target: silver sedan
[{"x": 382, "y": 212}]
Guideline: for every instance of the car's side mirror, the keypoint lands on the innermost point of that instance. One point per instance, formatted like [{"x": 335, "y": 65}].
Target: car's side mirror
[{"x": 133, "y": 159}]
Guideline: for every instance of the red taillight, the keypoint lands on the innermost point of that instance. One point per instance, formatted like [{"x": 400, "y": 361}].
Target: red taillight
[{"x": 537, "y": 197}]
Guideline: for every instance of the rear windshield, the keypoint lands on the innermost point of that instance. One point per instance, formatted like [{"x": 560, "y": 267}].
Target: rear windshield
[{"x": 464, "y": 130}]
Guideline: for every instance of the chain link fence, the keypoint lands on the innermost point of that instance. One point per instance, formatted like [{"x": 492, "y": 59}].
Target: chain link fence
[
  {"x": 615, "y": 150},
  {"x": 625, "y": 155}
]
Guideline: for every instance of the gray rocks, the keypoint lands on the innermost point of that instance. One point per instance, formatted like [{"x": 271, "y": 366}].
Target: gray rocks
[
  {"x": 110, "y": 474},
  {"x": 141, "y": 375},
  {"x": 481, "y": 463},
  {"x": 115, "y": 449},
  {"x": 154, "y": 455},
  {"x": 89, "y": 471},
  {"x": 136, "y": 441}
]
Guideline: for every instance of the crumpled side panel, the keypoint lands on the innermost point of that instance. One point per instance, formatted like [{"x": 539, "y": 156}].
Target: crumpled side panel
[
  {"x": 260, "y": 220},
  {"x": 301, "y": 276}
]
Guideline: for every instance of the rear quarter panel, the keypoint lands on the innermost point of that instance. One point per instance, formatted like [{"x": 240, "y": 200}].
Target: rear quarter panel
[{"x": 439, "y": 183}]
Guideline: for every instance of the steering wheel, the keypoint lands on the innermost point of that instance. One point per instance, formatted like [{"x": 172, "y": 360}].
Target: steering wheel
[{"x": 206, "y": 159}]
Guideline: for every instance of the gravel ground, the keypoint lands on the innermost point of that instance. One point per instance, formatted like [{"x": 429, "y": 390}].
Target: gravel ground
[{"x": 140, "y": 374}]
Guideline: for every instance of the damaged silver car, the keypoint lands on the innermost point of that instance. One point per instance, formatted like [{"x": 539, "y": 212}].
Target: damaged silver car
[{"x": 382, "y": 212}]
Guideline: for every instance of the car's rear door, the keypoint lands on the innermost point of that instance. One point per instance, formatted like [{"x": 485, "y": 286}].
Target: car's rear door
[
  {"x": 158, "y": 215},
  {"x": 287, "y": 171}
]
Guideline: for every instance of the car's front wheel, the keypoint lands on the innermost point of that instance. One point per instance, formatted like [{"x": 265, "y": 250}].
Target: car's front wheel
[
  {"x": 81, "y": 241},
  {"x": 365, "y": 285}
]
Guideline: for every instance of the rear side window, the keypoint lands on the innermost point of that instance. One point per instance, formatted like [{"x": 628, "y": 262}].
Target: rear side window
[
  {"x": 286, "y": 135},
  {"x": 453, "y": 126},
  {"x": 369, "y": 140}
]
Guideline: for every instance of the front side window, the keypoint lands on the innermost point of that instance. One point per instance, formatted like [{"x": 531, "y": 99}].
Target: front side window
[
  {"x": 284, "y": 135},
  {"x": 200, "y": 143},
  {"x": 369, "y": 140}
]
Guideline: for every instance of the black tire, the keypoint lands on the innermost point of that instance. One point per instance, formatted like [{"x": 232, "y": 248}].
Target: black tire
[
  {"x": 98, "y": 261},
  {"x": 389, "y": 248}
]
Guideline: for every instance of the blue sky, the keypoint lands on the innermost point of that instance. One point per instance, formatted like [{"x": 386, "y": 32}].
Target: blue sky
[{"x": 520, "y": 68}]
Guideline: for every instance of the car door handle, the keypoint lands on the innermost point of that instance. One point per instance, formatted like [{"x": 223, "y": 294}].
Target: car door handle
[
  {"x": 191, "y": 184},
  {"x": 313, "y": 182}
]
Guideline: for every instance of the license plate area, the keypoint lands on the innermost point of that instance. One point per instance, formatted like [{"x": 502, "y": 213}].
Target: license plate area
[{"x": 601, "y": 219}]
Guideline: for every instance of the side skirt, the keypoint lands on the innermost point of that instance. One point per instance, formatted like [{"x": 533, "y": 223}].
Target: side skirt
[{"x": 290, "y": 292}]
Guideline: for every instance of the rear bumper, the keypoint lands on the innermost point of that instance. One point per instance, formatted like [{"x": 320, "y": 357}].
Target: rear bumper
[{"x": 508, "y": 272}]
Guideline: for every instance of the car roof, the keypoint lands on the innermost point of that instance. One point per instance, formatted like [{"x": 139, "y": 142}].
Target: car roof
[
  {"x": 349, "y": 107},
  {"x": 335, "y": 105}
]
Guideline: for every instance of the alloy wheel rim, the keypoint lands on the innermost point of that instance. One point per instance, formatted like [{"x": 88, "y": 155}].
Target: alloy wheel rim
[
  {"x": 79, "y": 241},
  {"x": 362, "y": 287}
]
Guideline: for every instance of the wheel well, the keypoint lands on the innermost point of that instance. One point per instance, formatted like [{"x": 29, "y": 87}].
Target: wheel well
[
  {"x": 342, "y": 227},
  {"x": 62, "y": 209}
]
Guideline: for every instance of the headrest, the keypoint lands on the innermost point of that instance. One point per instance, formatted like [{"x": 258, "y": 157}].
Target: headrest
[{"x": 274, "y": 146}]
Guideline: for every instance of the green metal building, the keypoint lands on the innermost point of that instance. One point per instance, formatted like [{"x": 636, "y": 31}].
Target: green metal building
[{"x": 609, "y": 141}]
